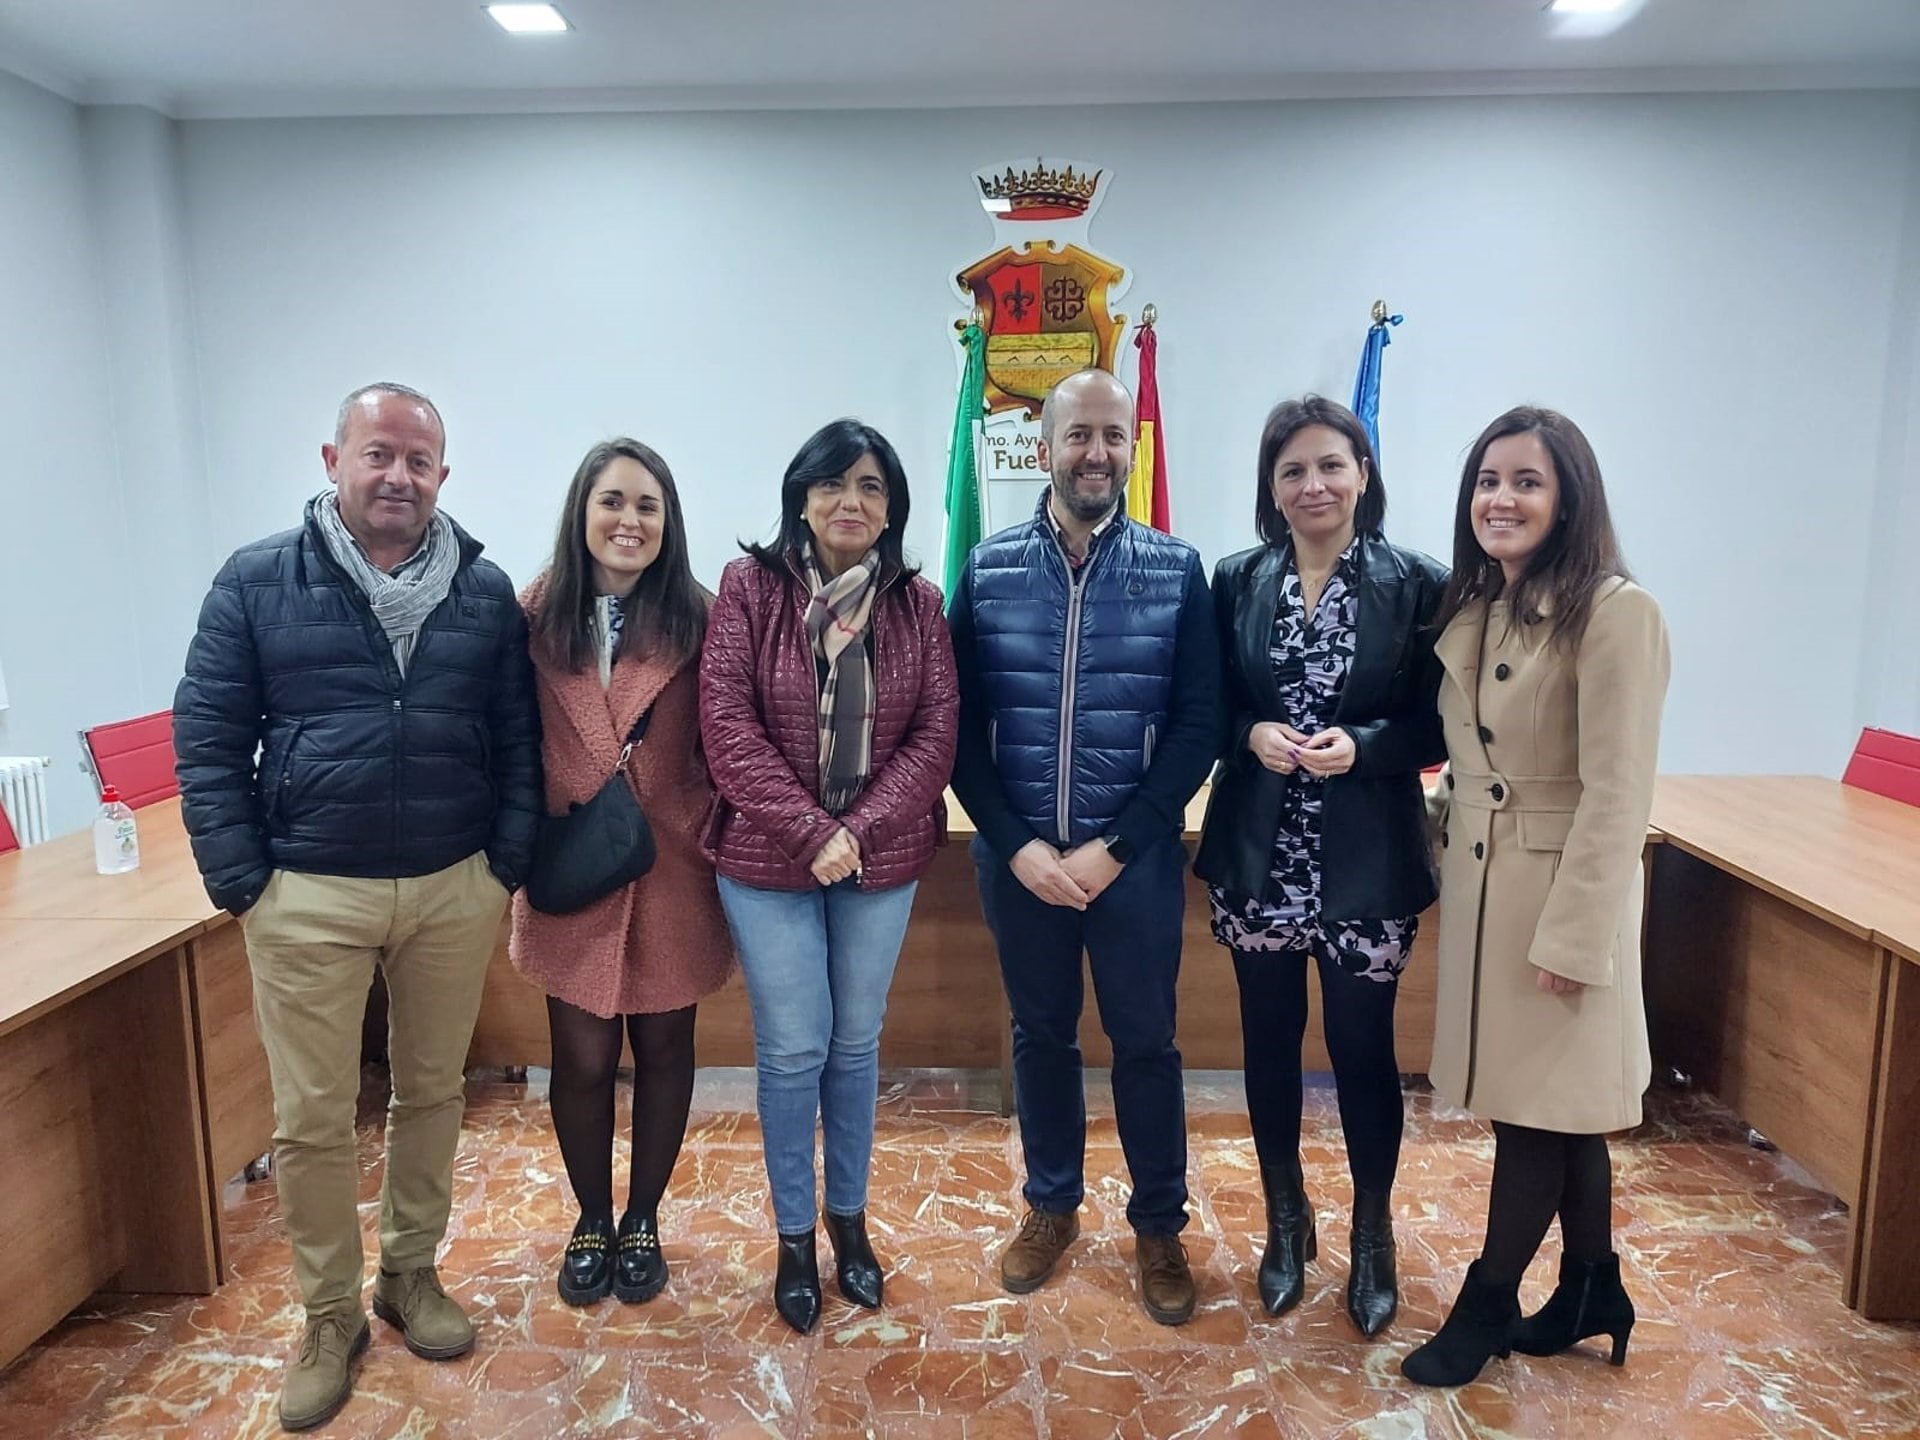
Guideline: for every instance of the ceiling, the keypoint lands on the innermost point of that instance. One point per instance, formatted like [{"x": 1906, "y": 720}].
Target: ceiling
[{"x": 232, "y": 58}]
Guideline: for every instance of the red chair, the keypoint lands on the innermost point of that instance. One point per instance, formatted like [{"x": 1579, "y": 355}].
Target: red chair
[
  {"x": 1887, "y": 763},
  {"x": 8, "y": 840},
  {"x": 133, "y": 756}
]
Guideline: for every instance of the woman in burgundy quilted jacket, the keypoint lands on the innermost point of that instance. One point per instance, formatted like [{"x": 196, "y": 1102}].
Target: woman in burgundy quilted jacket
[
  {"x": 828, "y": 707},
  {"x": 615, "y": 625}
]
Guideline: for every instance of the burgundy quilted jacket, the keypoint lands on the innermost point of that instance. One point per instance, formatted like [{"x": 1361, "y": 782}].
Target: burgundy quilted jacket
[{"x": 758, "y": 687}]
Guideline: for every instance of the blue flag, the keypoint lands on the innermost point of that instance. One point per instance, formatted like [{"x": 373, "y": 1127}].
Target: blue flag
[{"x": 1366, "y": 384}]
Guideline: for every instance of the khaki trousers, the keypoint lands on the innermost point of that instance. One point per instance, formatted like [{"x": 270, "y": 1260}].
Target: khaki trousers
[{"x": 313, "y": 941}]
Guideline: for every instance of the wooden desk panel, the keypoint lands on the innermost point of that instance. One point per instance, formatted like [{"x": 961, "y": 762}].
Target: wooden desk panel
[
  {"x": 100, "y": 1123},
  {"x": 233, "y": 1064},
  {"x": 1768, "y": 1007},
  {"x": 1782, "y": 936},
  {"x": 1888, "y": 1233},
  {"x": 947, "y": 1007},
  {"x": 1846, "y": 855},
  {"x": 45, "y": 964}
]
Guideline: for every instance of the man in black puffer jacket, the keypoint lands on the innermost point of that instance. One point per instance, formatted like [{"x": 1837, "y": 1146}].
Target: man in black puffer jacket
[{"x": 358, "y": 748}]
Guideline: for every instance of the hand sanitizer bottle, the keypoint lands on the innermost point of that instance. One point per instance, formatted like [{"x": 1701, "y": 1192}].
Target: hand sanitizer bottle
[{"x": 116, "y": 841}]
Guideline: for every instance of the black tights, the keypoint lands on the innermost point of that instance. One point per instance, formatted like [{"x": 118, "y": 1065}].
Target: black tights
[
  {"x": 586, "y": 1054},
  {"x": 1537, "y": 1174},
  {"x": 1357, "y": 1017}
]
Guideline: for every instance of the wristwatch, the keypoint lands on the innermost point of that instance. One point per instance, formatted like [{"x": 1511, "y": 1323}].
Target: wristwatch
[{"x": 1119, "y": 848}]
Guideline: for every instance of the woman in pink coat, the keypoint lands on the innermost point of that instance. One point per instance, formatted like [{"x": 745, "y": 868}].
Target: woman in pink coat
[{"x": 616, "y": 624}]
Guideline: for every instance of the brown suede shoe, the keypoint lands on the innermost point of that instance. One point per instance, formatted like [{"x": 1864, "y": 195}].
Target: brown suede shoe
[
  {"x": 320, "y": 1379},
  {"x": 1166, "y": 1284},
  {"x": 1031, "y": 1257},
  {"x": 431, "y": 1321}
]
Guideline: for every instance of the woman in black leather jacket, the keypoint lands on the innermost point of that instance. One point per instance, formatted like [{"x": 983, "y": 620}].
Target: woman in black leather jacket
[{"x": 1315, "y": 842}]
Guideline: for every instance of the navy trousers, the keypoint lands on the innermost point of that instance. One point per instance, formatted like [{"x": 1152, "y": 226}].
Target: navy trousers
[{"x": 1131, "y": 935}]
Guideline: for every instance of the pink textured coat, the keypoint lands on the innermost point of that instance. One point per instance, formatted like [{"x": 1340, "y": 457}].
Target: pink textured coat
[
  {"x": 758, "y": 715},
  {"x": 660, "y": 943}
]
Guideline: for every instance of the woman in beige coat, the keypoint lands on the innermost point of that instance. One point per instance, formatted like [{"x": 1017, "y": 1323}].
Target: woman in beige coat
[{"x": 1555, "y": 672}]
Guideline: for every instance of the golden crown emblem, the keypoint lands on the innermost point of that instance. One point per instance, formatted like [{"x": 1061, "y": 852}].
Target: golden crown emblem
[{"x": 1040, "y": 188}]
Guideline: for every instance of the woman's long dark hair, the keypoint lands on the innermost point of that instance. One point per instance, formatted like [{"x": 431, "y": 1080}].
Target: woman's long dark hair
[
  {"x": 665, "y": 613},
  {"x": 1285, "y": 421},
  {"x": 1579, "y": 554},
  {"x": 829, "y": 453}
]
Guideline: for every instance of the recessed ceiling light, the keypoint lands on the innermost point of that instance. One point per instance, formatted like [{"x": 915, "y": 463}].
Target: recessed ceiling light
[
  {"x": 529, "y": 19},
  {"x": 1585, "y": 7}
]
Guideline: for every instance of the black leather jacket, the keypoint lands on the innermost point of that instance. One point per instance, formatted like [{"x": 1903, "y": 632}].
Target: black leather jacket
[{"x": 1375, "y": 860}]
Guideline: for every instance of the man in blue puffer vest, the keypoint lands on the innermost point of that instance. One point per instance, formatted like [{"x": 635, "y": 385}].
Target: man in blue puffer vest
[
  {"x": 1090, "y": 702},
  {"x": 358, "y": 746}
]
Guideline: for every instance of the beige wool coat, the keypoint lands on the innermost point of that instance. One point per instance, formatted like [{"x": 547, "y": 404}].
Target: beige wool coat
[{"x": 1551, "y": 761}]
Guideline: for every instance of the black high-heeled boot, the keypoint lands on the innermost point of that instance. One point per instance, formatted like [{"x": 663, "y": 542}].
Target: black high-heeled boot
[
  {"x": 1588, "y": 1301},
  {"x": 1291, "y": 1240},
  {"x": 796, "y": 1282},
  {"x": 855, "y": 1267},
  {"x": 1373, "y": 1287},
  {"x": 1479, "y": 1327}
]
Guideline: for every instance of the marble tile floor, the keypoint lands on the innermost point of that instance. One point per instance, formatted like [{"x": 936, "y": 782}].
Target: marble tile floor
[{"x": 1732, "y": 1255}]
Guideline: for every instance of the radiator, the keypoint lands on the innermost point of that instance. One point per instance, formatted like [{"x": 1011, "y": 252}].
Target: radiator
[{"x": 23, "y": 795}]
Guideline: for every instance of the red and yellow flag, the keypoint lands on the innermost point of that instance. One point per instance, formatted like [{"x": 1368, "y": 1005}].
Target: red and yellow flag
[{"x": 1147, "y": 485}]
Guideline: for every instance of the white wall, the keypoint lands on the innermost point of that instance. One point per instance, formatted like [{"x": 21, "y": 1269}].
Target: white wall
[
  {"x": 1707, "y": 284},
  {"x": 1890, "y": 642},
  {"x": 70, "y": 606},
  {"x": 1721, "y": 289},
  {"x": 133, "y": 177}
]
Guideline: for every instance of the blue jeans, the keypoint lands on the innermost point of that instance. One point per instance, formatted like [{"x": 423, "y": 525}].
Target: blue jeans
[
  {"x": 818, "y": 965},
  {"x": 1131, "y": 936}
]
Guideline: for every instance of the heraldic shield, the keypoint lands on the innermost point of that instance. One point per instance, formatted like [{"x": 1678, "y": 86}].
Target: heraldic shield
[{"x": 1044, "y": 312}]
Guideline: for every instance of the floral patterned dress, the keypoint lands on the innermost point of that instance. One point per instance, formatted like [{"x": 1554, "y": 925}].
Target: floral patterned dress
[{"x": 1311, "y": 655}]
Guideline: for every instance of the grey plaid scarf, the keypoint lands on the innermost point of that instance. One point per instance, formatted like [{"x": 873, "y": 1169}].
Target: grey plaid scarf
[
  {"x": 837, "y": 620},
  {"x": 403, "y": 600}
]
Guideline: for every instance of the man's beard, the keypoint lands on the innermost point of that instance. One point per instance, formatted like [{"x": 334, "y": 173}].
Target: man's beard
[{"x": 1083, "y": 506}]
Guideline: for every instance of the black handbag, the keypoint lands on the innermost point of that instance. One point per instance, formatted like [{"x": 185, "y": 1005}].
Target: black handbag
[{"x": 595, "y": 848}]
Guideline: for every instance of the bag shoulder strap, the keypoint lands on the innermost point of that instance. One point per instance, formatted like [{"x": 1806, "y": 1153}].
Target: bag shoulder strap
[{"x": 635, "y": 736}]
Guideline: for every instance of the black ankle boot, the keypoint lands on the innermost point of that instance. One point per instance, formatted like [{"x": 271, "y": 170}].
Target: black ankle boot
[
  {"x": 855, "y": 1268},
  {"x": 1589, "y": 1300},
  {"x": 639, "y": 1269},
  {"x": 1479, "y": 1327},
  {"x": 796, "y": 1282},
  {"x": 586, "y": 1266},
  {"x": 1291, "y": 1241},
  {"x": 1373, "y": 1288}
]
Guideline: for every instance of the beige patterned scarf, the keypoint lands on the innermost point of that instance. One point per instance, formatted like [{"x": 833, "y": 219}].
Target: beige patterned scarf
[{"x": 837, "y": 621}]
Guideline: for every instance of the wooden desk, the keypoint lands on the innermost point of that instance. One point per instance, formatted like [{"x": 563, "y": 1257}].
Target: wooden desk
[
  {"x": 100, "y": 1120},
  {"x": 947, "y": 1007},
  {"x": 57, "y": 882},
  {"x": 1783, "y": 972}
]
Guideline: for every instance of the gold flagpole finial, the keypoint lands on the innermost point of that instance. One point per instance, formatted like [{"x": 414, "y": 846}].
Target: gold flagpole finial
[{"x": 1379, "y": 312}]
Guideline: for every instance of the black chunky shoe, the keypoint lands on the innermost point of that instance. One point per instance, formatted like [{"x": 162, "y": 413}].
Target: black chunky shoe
[
  {"x": 1373, "y": 1287},
  {"x": 855, "y": 1268},
  {"x": 586, "y": 1267},
  {"x": 796, "y": 1282},
  {"x": 1291, "y": 1240},
  {"x": 1589, "y": 1301},
  {"x": 1479, "y": 1327},
  {"x": 639, "y": 1269}
]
